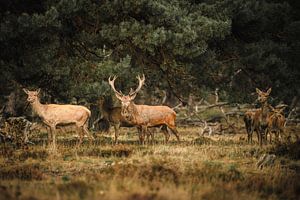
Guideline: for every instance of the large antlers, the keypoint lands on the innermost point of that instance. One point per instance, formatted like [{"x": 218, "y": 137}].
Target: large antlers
[
  {"x": 141, "y": 83},
  {"x": 132, "y": 92},
  {"x": 112, "y": 84}
]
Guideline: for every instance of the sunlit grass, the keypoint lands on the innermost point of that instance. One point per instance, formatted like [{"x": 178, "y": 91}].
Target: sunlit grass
[{"x": 217, "y": 167}]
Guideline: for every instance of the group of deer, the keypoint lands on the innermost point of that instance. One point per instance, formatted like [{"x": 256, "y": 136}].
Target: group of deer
[
  {"x": 140, "y": 116},
  {"x": 265, "y": 120}
]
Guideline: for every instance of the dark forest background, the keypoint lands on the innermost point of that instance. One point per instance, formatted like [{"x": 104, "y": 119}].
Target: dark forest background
[{"x": 69, "y": 48}]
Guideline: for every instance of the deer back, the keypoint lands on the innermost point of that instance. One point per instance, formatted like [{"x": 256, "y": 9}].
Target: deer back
[
  {"x": 65, "y": 113},
  {"x": 153, "y": 115}
]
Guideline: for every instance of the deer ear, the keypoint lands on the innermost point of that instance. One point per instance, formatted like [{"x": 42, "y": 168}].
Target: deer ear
[
  {"x": 282, "y": 109},
  {"x": 25, "y": 90},
  {"x": 38, "y": 91},
  {"x": 269, "y": 90},
  {"x": 257, "y": 91}
]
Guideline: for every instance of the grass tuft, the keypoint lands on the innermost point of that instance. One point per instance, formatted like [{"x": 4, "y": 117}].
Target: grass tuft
[{"x": 22, "y": 172}]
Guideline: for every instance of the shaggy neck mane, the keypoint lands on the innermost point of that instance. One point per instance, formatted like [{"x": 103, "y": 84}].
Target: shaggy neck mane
[
  {"x": 134, "y": 114},
  {"x": 265, "y": 110}
]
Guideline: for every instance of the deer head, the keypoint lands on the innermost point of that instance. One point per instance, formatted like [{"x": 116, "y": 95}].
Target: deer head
[
  {"x": 32, "y": 95},
  {"x": 277, "y": 110},
  {"x": 263, "y": 96},
  {"x": 126, "y": 99}
]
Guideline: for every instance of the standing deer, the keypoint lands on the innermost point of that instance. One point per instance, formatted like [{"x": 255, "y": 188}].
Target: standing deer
[
  {"x": 113, "y": 116},
  {"x": 260, "y": 119},
  {"x": 276, "y": 123},
  {"x": 54, "y": 114},
  {"x": 145, "y": 116},
  {"x": 249, "y": 123}
]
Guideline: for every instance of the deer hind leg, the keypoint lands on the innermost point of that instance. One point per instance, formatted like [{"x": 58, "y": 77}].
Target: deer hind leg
[
  {"x": 150, "y": 135},
  {"x": 174, "y": 131},
  {"x": 166, "y": 133},
  {"x": 80, "y": 133},
  {"x": 86, "y": 131}
]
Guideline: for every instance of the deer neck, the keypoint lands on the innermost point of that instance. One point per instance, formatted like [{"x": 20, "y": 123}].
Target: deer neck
[
  {"x": 265, "y": 110},
  {"x": 133, "y": 112},
  {"x": 38, "y": 108}
]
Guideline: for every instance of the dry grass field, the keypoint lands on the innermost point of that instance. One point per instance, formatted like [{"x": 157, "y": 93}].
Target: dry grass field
[{"x": 216, "y": 167}]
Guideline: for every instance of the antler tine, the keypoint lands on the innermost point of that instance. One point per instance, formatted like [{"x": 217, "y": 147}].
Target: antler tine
[
  {"x": 112, "y": 85},
  {"x": 141, "y": 83}
]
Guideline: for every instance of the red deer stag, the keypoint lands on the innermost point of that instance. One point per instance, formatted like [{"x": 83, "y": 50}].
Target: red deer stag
[
  {"x": 260, "y": 119},
  {"x": 276, "y": 122},
  {"x": 54, "y": 114},
  {"x": 145, "y": 116},
  {"x": 114, "y": 117}
]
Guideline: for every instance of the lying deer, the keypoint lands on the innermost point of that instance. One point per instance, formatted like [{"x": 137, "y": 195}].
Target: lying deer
[
  {"x": 145, "y": 116},
  {"x": 54, "y": 114}
]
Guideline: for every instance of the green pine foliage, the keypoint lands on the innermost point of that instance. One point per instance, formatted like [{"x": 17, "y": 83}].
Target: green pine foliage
[{"x": 70, "y": 48}]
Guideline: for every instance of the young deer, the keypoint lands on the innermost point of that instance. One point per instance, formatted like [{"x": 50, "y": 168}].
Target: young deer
[
  {"x": 276, "y": 122},
  {"x": 145, "y": 116},
  {"x": 260, "y": 118},
  {"x": 54, "y": 114},
  {"x": 249, "y": 123}
]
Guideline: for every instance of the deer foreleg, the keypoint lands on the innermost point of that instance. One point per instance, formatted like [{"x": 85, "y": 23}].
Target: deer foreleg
[
  {"x": 142, "y": 134},
  {"x": 116, "y": 127},
  {"x": 152, "y": 138},
  {"x": 53, "y": 134}
]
